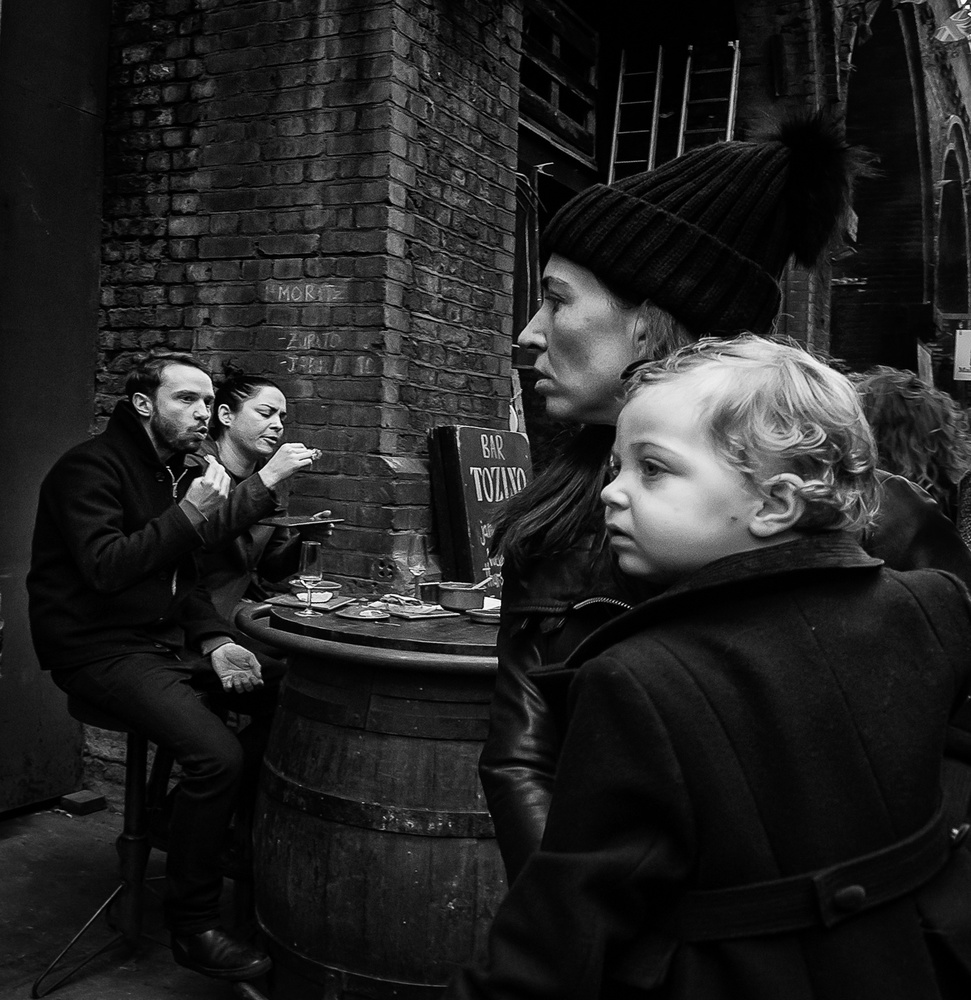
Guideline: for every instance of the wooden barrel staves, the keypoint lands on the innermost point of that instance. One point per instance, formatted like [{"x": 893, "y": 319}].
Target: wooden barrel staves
[{"x": 377, "y": 867}]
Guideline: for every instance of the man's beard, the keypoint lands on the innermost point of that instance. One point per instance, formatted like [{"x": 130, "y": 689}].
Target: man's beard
[{"x": 167, "y": 434}]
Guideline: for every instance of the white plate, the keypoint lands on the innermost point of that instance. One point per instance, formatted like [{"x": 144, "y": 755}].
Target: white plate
[
  {"x": 317, "y": 597},
  {"x": 363, "y": 614}
]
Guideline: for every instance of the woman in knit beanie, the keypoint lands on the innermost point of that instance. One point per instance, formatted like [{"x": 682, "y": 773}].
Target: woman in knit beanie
[
  {"x": 638, "y": 268},
  {"x": 632, "y": 271}
]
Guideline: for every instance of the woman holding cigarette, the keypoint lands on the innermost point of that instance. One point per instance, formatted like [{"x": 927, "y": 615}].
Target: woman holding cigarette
[{"x": 246, "y": 430}]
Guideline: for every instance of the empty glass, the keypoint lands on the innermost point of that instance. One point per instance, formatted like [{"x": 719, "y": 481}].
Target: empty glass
[{"x": 310, "y": 574}]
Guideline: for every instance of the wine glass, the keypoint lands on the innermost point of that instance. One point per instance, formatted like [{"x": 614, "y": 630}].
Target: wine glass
[
  {"x": 417, "y": 560},
  {"x": 310, "y": 574}
]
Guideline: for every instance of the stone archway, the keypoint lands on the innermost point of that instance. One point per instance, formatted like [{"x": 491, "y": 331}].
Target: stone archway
[
  {"x": 953, "y": 284},
  {"x": 880, "y": 300}
]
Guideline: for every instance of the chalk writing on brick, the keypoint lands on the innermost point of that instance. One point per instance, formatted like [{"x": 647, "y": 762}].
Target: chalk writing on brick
[
  {"x": 303, "y": 340},
  {"x": 297, "y": 365},
  {"x": 302, "y": 291}
]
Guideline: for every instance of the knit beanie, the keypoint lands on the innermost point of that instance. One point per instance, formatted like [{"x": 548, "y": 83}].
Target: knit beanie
[{"x": 706, "y": 236}]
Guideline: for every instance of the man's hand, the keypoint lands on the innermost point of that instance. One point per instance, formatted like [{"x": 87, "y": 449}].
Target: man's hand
[
  {"x": 289, "y": 458},
  {"x": 237, "y": 668},
  {"x": 208, "y": 491}
]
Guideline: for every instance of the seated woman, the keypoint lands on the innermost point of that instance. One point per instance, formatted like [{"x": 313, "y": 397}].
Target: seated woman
[{"x": 246, "y": 429}]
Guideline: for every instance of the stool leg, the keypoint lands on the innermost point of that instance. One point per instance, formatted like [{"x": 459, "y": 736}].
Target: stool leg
[
  {"x": 157, "y": 795},
  {"x": 247, "y": 991},
  {"x": 132, "y": 843},
  {"x": 133, "y": 849},
  {"x": 36, "y": 991}
]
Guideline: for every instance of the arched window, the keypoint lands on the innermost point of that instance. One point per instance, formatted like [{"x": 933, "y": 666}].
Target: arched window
[{"x": 953, "y": 278}]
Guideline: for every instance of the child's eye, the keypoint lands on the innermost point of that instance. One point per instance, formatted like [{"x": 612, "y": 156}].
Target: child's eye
[
  {"x": 613, "y": 470},
  {"x": 650, "y": 468}
]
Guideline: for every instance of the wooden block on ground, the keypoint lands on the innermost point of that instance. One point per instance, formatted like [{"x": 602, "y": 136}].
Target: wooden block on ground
[{"x": 83, "y": 802}]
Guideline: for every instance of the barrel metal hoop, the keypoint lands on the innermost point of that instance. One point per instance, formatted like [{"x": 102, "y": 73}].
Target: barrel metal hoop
[
  {"x": 350, "y": 715},
  {"x": 387, "y": 817},
  {"x": 339, "y": 982}
]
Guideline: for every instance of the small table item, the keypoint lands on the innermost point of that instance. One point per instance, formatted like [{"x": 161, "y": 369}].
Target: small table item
[
  {"x": 299, "y": 521},
  {"x": 363, "y": 614},
  {"x": 423, "y": 611},
  {"x": 483, "y": 616},
  {"x": 327, "y": 601}
]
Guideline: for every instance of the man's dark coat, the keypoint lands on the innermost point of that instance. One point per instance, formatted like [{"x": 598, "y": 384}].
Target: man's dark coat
[{"x": 112, "y": 569}]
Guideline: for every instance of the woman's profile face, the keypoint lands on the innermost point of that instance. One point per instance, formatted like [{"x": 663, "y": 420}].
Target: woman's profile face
[
  {"x": 584, "y": 339},
  {"x": 256, "y": 428}
]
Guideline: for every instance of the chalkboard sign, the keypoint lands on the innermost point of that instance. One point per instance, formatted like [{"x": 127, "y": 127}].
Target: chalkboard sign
[{"x": 474, "y": 469}]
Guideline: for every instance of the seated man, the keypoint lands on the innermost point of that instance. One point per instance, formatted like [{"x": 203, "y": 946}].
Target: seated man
[{"x": 118, "y": 617}]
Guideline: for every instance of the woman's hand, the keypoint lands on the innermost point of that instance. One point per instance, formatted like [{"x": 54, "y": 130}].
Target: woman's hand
[{"x": 289, "y": 458}]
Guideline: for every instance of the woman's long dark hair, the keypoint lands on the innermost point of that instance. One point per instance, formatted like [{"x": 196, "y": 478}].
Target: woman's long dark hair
[{"x": 559, "y": 506}]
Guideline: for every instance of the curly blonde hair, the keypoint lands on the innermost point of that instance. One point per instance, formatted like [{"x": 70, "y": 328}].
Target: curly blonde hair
[
  {"x": 921, "y": 432},
  {"x": 772, "y": 407}
]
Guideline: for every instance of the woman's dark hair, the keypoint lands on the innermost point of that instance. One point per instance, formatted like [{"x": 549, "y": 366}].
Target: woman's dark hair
[
  {"x": 146, "y": 374},
  {"x": 233, "y": 390},
  {"x": 922, "y": 433},
  {"x": 560, "y": 505}
]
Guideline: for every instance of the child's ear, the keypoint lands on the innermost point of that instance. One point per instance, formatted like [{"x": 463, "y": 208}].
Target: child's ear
[{"x": 781, "y": 509}]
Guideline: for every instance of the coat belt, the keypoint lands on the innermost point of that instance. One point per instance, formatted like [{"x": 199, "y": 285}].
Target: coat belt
[{"x": 821, "y": 898}]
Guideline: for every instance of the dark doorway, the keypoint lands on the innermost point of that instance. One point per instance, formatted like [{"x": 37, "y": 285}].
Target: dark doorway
[
  {"x": 52, "y": 108},
  {"x": 879, "y": 301}
]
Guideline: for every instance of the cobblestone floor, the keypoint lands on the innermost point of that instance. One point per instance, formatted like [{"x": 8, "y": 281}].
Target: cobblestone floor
[{"x": 55, "y": 870}]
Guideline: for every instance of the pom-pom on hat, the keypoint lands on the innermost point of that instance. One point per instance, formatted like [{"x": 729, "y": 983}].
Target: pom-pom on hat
[{"x": 707, "y": 236}]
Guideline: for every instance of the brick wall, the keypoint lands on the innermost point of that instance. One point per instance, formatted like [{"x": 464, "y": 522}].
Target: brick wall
[{"x": 322, "y": 192}]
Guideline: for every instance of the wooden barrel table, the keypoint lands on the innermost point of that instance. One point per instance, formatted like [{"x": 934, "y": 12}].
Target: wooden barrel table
[{"x": 375, "y": 861}]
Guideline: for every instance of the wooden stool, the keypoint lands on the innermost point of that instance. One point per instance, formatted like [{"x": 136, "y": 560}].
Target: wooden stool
[{"x": 145, "y": 797}]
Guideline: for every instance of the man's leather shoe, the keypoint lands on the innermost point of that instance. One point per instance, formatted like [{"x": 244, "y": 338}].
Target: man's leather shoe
[{"x": 214, "y": 953}]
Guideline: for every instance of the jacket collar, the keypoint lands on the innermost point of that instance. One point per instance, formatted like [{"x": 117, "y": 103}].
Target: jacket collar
[
  {"x": 126, "y": 425},
  {"x": 809, "y": 555},
  {"x": 586, "y": 572},
  {"x": 211, "y": 449},
  {"x": 208, "y": 450},
  {"x": 813, "y": 552}
]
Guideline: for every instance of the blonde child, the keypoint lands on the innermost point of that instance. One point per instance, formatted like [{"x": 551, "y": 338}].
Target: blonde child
[{"x": 748, "y": 798}]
